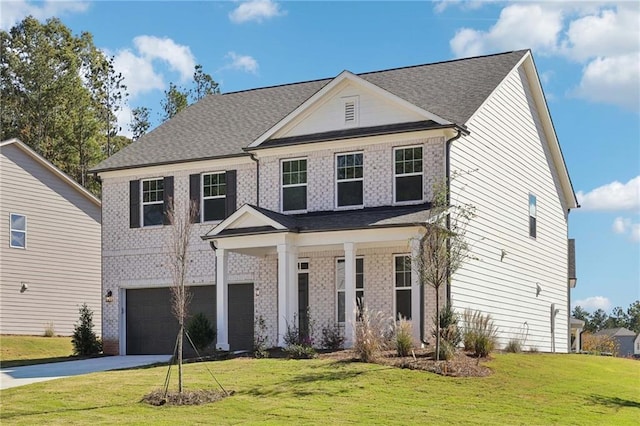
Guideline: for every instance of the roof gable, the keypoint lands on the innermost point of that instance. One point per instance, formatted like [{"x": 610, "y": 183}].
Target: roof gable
[
  {"x": 327, "y": 103},
  {"x": 247, "y": 216},
  {"x": 56, "y": 171}
]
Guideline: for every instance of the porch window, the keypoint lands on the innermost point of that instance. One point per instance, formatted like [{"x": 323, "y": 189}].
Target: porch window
[
  {"x": 533, "y": 216},
  {"x": 214, "y": 190},
  {"x": 349, "y": 180},
  {"x": 408, "y": 174},
  {"x": 294, "y": 185},
  {"x": 402, "y": 269},
  {"x": 340, "y": 288},
  {"x": 152, "y": 202},
  {"x": 18, "y": 230}
]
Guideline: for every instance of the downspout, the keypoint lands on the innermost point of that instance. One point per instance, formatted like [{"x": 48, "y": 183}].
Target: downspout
[
  {"x": 254, "y": 158},
  {"x": 447, "y": 171}
]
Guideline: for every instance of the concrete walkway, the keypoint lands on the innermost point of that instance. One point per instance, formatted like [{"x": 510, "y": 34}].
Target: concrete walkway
[{"x": 20, "y": 376}]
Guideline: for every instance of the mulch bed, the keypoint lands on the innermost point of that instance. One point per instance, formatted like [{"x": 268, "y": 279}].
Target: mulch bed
[
  {"x": 197, "y": 397},
  {"x": 461, "y": 365}
]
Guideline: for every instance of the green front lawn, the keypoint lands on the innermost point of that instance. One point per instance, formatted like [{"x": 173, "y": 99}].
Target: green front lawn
[
  {"x": 525, "y": 389},
  {"x": 26, "y": 350}
]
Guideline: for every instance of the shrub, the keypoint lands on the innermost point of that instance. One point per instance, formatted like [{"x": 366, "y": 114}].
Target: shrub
[
  {"x": 449, "y": 330},
  {"x": 479, "y": 334},
  {"x": 260, "y": 338},
  {"x": 403, "y": 337},
  {"x": 514, "y": 346},
  {"x": 447, "y": 350},
  {"x": 300, "y": 352},
  {"x": 201, "y": 331},
  {"x": 85, "y": 341},
  {"x": 49, "y": 330},
  {"x": 299, "y": 343},
  {"x": 599, "y": 345},
  {"x": 371, "y": 335},
  {"x": 332, "y": 337}
]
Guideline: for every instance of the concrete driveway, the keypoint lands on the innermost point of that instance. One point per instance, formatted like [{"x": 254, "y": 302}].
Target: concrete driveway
[{"x": 20, "y": 376}]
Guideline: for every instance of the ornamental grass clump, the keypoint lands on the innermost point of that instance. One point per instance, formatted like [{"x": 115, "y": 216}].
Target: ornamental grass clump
[
  {"x": 370, "y": 335},
  {"x": 480, "y": 333},
  {"x": 403, "y": 337}
]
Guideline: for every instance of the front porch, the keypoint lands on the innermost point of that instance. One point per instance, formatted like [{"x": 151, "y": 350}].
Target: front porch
[{"x": 283, "y": 242}]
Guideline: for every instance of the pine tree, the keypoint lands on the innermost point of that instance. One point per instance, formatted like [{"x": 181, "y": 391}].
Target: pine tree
[{"x": 85, "y": 341}]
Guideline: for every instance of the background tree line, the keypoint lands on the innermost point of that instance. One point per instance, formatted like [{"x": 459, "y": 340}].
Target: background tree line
[
  {"x": 600, "y": 320},
  {"x": 60, "y": 95}
]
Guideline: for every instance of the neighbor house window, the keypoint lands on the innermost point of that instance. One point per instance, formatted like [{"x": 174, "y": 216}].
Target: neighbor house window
[
  {"x": 214, "y": 191},
  {"x": 349, "y": 179},
  {"x": 408, "y": 174},
  {"x": 533, "y": 216},
  {"x": 152, "y": 202},
  {"x": 402, "y": 269},
  {"x": 340, "y": 288},
  {"x": 294, "y": 185},
  {"x": 18, "y": 230}
]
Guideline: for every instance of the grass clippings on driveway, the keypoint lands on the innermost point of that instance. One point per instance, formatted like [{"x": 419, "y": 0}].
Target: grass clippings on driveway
[{"x": 523, "y": 389}]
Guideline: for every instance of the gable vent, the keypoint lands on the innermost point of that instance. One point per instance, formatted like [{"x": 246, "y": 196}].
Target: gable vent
[{"x": 350, "y": 112}]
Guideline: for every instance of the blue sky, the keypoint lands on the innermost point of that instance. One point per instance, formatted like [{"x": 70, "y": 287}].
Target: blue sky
[{"x": 587, "y": 55}]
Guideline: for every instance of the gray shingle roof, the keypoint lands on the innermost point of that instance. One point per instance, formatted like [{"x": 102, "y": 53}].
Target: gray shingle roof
[
  {"x": 222, "y": 125},
  {"x": 371, "y": 217}
]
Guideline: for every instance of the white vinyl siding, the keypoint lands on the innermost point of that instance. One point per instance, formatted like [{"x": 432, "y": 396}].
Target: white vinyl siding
[
  {"x": 61, "y": 266},
  {"x": 508, "y": 153}
]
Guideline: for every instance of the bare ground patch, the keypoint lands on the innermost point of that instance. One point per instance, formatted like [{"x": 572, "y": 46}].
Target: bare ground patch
[{"x": 197, "y": 397}]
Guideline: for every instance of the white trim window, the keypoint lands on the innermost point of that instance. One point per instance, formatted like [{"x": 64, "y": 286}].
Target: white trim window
[
  {"x": 408, "y": 174},
  {"x": 340, "y": 287},
  {"x": 350, "y": 179},
  {"x": 402, "y": 290},
  {"x": 294, "y": 185},
  {"x": 152, "y": 204},
  {"x": 533, "y": 216},
  {"x": 18, "y": 231},
  {"x": 214, "y": 194}
]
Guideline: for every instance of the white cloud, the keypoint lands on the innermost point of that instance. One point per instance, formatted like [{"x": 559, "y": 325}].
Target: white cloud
[
  {"x": 612, "y": 80},
  {"x": 255, "y": 10},
  {"x": 124, "y": 117},
  {"x": 138, "y": 73},
  {"x": 625, "y": 226},
  {"x": 593, "y": 303},
  {"x": 15, "y": 11},
  {"x": 614, "y": 196},
  {"x": 603, "y": 36},
  {"x": 177, "y": 56},
  {"x": 242, "y": 62}
]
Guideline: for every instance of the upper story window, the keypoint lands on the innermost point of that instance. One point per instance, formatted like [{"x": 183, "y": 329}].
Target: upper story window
[
  {"x": 294, "y": 185},
  {"x": 408, "y": 172},
  {"x": 350, "y": 110},
  {"x": 340, "y": 289},
  {"x": 152, "y": 202},
  {"x": 533, "y": 216},
  {"x": 18, "y": 227},
  {"x": 402, "y": 269},
  {"x": 214, "y": 191},
  {"x": 349, "y": 180}
]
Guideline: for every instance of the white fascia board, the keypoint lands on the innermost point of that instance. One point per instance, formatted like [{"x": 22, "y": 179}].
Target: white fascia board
[
  {"x": 197, "y": 165},
  {"x": 328, "y": 88},
  {"x": 62, "y": 175},
  {"x": 244, "y": 210}
]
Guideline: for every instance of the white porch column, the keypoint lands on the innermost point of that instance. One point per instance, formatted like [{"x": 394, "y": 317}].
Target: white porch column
[
  {"x": 349, "y": 293},
  {"x": 287, "y": 288},
  {"x": 416, "y": 309},
  {"x": 222, "y": 299},
  {"x": 578, "y": 342}
]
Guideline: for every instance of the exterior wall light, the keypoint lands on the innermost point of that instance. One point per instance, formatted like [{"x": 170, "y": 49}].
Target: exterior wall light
[{"x": 109, "y": 297}]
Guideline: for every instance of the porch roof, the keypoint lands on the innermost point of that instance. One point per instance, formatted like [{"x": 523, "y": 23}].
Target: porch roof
[{"x": 325, "y": 221}]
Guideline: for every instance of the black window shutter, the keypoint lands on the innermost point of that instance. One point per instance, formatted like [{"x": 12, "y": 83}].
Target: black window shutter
[
  {"x": 167, "y": 206},
  {"x": 134, "y": 204},
  {"x": 230, "y": 200},
  {"x": 194, "y": 197}
]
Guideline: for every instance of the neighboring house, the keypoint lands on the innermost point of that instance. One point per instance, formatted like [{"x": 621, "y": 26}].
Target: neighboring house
[
  {"x": 636, "y": 346},
  {"x": 577, "y": 326},
  {"x": 310, "y": 196},
  {"x": 50, "y": 247},
  {"x": 623, "y": 338}
]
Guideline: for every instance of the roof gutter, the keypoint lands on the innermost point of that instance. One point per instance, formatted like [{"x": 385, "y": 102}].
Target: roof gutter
[{"x": 447, "y": 158}]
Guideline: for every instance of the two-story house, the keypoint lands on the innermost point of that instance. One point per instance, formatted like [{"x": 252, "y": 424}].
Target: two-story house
[
  {"x": 50, "y": 251},
  {"x": 309, "y": 196}
]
